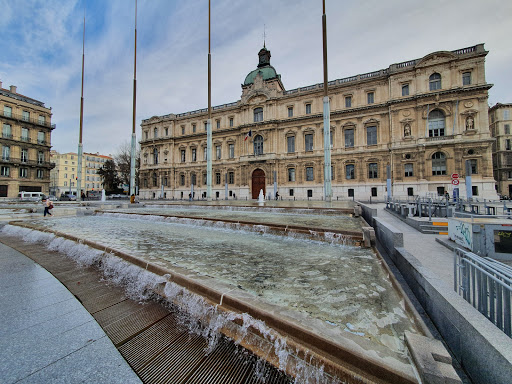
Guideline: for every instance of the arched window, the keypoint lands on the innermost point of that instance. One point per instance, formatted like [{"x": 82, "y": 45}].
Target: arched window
[
  {"x": 258, "y": 145},
  {"x": 193, "y": 178},
  {"x": 436, "y": 123},
  {"x": 438, "y": 164},
  {"x": 434, "y": 81},
  {"x": 155, "y": 156},
  {"x": 258, "y": 114},
  {"x": 155, "y": 131},
  {"x": 155, "y": 180}
]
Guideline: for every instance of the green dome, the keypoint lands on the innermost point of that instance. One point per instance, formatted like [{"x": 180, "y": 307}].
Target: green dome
[{"x": 268, "y": 72}]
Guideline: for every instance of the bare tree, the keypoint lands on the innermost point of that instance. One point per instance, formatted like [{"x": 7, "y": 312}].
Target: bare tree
[{"x": 123, "y": 162}]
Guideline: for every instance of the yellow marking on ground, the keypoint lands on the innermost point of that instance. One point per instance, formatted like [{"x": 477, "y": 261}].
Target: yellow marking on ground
[
  {"x": 440, "y": 223},
  {"x": 443, "y": 233}
]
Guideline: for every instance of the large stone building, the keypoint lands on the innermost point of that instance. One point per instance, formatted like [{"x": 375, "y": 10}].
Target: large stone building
[
  {"x": 26, "y": 142},
  {"x": 64, "y": 175},
  {"x": 500, "y": 122},
  {"x": 423, "y": 118}
]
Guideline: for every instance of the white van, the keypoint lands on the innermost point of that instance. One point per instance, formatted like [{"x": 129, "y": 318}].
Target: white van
[{"x": 31, "y": 196}]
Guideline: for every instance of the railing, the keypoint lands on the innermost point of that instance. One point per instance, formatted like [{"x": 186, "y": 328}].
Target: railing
[
  {"x": 438, "y": 138},
  {"x": 487, "y": 285},
  {"x": 463, "y": 51},
  {"x": 36, "y": 121}
]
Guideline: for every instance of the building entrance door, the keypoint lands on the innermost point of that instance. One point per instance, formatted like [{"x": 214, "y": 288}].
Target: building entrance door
[
  {"x": 3, "y": 190},
  {"x": 258, "y": 183}
]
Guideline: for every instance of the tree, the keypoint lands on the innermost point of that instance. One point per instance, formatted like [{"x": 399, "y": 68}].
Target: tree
[
  {"x": 123, "y": 161},
  {"x": 108, "y": 173}
]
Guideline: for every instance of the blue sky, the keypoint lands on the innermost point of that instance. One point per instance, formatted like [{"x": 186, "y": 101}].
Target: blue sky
[{"x": 41, "y": 51}]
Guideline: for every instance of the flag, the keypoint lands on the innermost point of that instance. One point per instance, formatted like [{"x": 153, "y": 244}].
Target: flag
[{"x": 249, "y": 134}]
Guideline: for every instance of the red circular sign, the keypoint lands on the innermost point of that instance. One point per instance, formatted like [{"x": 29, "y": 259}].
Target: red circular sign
[
  {"x": 455, "y": 181},
  {"x": 455, "y": 175}
]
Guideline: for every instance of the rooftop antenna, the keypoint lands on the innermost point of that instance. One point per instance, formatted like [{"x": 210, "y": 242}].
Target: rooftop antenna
[{"x": 264, "y": 35}]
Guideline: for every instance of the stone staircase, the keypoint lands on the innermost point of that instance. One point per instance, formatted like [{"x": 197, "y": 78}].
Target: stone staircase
[{"x": 436, "y": 227}]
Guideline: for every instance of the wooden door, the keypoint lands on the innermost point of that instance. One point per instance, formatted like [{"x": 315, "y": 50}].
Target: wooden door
[{"x": 258, "y": 183}]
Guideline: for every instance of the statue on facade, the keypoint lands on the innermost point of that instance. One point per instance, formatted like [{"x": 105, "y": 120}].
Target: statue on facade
[
  {"x": 470, "y": 123},
  {"x": 407, "y": 130}
]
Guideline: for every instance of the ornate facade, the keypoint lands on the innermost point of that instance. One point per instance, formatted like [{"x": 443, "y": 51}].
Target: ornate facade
[
  {"x": 421, "y": 119},
  {"x": 26, "y": 141},
  {"x": 500, "y": 124}
]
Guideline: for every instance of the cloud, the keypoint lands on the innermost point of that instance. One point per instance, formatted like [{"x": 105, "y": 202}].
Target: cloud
[{"x": 41, "y": 49}]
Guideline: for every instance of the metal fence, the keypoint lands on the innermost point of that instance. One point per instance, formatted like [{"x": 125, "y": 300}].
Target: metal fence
[{"x": 487, "y": 285}]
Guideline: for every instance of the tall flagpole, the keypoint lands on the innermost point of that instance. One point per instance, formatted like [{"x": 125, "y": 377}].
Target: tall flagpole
[
  {"x": 134, "y": 137},
  {"x": 327, "y": 117},
  {"x": 209, "y": 122},
  {"x": 80, "y": 146}
]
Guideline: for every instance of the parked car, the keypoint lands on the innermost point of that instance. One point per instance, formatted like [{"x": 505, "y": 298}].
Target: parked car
[
  {"x": 67, "y": 197},
  {"x": 31, "y": 196},
  {"x": 52, "y": 197}
]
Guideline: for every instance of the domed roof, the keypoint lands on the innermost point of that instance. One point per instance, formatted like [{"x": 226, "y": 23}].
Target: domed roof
[{"x": 267, "y": 72}]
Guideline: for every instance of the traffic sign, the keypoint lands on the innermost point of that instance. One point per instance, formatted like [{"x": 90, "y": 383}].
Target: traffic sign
[
  {"x": 455, "y": 181},
  {"x": 455, "y": 175}
]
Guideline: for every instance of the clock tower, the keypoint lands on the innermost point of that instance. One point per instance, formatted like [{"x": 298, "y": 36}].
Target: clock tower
[{"x": 264, "y": 55}]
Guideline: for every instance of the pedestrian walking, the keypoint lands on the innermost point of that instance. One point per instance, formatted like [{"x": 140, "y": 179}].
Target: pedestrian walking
[{"x": 47, "y": 206}]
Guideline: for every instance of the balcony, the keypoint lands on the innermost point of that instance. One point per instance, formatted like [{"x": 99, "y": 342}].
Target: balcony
[{"x": 36, "y": 121}]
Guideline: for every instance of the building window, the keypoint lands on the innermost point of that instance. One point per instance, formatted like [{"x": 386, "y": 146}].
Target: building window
[
  {"x": 436, "y": 123},
  {"x": 155, "y": 156},
  {"x": 194, "y": 154},
  {"x": 155, "y": 180},
  {"x": 7, "y": 111},
  {"x": 166, "y": 131},
  {"x": 193, "y": 179},
  {"x": 349, "y": 138},
  {"x": 193, "y": 128},
  {"x": 370, "y": 97},
  {"x": 506, "y": 114},
  {"x": 183, "y": 153},
  {"x": 40, "y": 174},
  {"x": 40, "y": 157},
  {"x": 374, "y": 191},
  {"x": 147, "y": 134},
  {"x": 205, "y": 153},
  {"x": 218, "y": 124},
  {"x": 290, "y": 111},
  {"x": 350, "y": 171},
  {"x": 231, "y": 122},
  {"x": 438, "y": 164},
  {"x": 348, "y": 101},
  {"x": 434, "y": 82},
  {"x": 474, "y": 190},
  {"x": 290, "y": 141},
  {"x": 466, "y": 78},
  {"x": 217, "y": 178},
  {"x": 309, "y": 174},
  {"x": 405, "y": 90},
  {"x": 155, "y": 133},
  {"x": 231, "y": 177},
  {"x": 182, "y": 130},
  {"x": 308, "y": 109},
  {"x": 258, "y": 115},
  {"x": 182, "y": 179},
  {"x": 310, "y": 192},
  {"x": 408, "y": 168},
  {"x": 41, "y": 120},
  {"x": 6, "y": 131},
  {"x": 507, "y": 129},
  {"x": 24, "y": 134},
  {"x": 218, "y": 152},
  {"x": 4, "y": 171},
  {"x": 24, "y": 155},
  {"x": 40, "y": 138},
  {"x": 145, "y": 183},
  {"x": 24, "y": 172},
  {"x": 473, "y": 164},
  {"x": 25, "y": 116},
  {"x": 258, "y": 145},
  {"x": 350, "y": 192},
  {"x": 371, "y": 135},
  {"x": 373, "y": 171},
  {"x": 205, "y": 125},
  {"x": 291, "y": 174},
  {"x": 331, "y": 139},
  {"x": 231, "y": 151},
  {"x": 290, "y": 192},
  {"x": 332, "y": 172},
  {"x": 65, "y": 183},
  {"x": 308, "y": 142},
  {"x": 410, "y": 191}
]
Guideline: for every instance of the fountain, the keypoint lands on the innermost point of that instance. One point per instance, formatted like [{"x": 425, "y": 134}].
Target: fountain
[
  {"x": 337, "y": 297},
  {"x": 261, "y": 198}
]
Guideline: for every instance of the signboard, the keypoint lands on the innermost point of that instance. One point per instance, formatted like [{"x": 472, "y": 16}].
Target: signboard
[
  {"x": 455, "y": 175},
  {"x": 461, "y": 232},
  {"x": 455, "y": 181}
]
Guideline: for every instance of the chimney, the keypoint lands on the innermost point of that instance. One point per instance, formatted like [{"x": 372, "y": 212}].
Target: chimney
[{"x": 13, "y": 89}]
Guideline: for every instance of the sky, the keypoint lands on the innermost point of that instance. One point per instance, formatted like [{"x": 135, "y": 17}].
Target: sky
[{"x": 41, "y": 52}]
